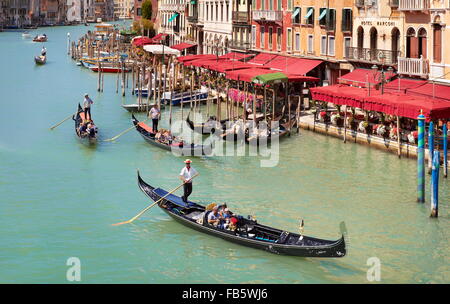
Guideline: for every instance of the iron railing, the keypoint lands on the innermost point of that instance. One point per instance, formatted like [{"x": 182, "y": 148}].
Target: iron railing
[{"x": 372, "y": 55}]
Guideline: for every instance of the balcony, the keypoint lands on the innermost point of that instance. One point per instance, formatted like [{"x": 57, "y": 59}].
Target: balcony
[
  {"x": 240, "y": 45},
  {"x": 172, "y": 7},
  {"x": 371, "y": 55},
  {"x": 359, "y": 3},
  {"x": 413, "y": 5},
  {"x": 240, "y": 17},
  {"x": 413, "y": 67},
  {"x": 193, "y": 18},
  {"x": 268, "y": 16}
]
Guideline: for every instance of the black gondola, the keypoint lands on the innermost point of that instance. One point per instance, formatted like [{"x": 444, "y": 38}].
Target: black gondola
[
  {"x": 79, "y": 118},
  {"x": 248, "y": 231},
  {"x": 257, "y": 139},
  {"x": 40, "y": 59},
  {"x": 207, "y": 128},
  {"x": 179, "y": 148}
]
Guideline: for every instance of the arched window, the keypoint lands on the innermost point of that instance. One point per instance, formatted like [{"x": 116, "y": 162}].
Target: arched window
[
  {"x": 360, "y": 40},
  {"x": 373, "y": 38},
  {"x": 395, "y": 41},
  {"x": 437, "y": 43},
  {"x": 422, "y": 39},
  {"x": 411, "y": 43}
]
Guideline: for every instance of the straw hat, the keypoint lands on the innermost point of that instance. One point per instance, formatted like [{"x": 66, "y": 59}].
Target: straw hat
[{"x": 187, "y": 161}]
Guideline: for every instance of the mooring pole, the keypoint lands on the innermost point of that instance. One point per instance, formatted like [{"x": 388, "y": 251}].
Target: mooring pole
[
  {"x": 430, "y": 145},
  {"x": 421, "y": 159},
  {"x": 444, "y": 138},
  {"x": 435, "y": 185}
]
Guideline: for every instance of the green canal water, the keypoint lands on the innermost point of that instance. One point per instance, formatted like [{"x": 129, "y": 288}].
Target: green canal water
[{"x": 59, "y": 197}]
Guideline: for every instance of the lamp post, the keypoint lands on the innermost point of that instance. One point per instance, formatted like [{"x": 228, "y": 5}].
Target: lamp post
[
  {"x": 68, "y": 43},
  {"x": 382, "y": 75}
]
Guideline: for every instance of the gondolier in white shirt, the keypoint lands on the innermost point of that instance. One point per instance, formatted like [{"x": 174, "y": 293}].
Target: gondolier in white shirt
[
  {"x": 155, "y": 114},
  {"x": 186, "y": 175},
  {"x": 87, "y": 106}
]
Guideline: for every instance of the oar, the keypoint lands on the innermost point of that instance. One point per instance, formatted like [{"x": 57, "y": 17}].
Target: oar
[
  {"x": 122, "y": 133},
  {"x": 71, "y": 115},
  {"x": 143, "y": 211},
  {"x": 302, "y": 225}
]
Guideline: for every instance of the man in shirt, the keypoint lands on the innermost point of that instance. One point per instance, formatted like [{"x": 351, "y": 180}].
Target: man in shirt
[
  {"x": 155, "y": 114},
  {"x": 213, "y": 217},
  {"x": 87, "y": 106},
  {"x": 186, "y": 175}
]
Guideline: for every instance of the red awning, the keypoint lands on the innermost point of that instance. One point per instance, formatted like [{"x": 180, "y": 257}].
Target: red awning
[
  {"x": 431, "y": 90},
  {"x": 202, "y": 63},
  {"x": 246, "y": 74},
  {"x": 360, "y": 77},
  {"x": 159, "y": 37},
  {"x": 301, "y": 78},
  {"x": 403, "y": 105},
  {"x": 195, "y": 57},
  {"x": 400, "y": 85},
  {"x": 262, "y": 58},
  {"x": 227, "y": 65},
  {"x": 182, "y": 46},
  {"x": 290, "y": 65},
  {"x": 235, "y": 56},
  {"x": 141, "y": 41}
]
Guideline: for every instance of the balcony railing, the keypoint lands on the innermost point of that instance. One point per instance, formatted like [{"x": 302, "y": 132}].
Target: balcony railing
[
  {"x": 241, "y": 17},
  {"x": 413, "y": 66},
  {"x": 193, "y": 18},
  {"x": 172, "y": 7},
  {"x": 240, "y": 45},
  {"x": 271, "y": 16},
  {"x": 372, "y": 55},
  {"x": 413, "y": 5}
]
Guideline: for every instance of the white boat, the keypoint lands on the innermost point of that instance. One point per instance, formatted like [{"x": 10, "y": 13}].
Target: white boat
[
  {"x": 26, "y": 35},
  {"x": 184, "y": 97}
]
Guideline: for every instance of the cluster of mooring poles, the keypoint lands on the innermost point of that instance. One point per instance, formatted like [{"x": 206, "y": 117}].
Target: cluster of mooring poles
[{"x": 433, "y": 163}]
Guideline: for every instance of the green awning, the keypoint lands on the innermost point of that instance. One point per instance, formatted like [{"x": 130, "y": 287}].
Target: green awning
[
  {"x": 310, "y": 11},
  {"x": 173, "y": 17},
  {"x": 323, "y": 14},
  {"x": 270, "y": 78},
  {"x": 193, "y": 1},
  {"x": 296, "y": 12}
]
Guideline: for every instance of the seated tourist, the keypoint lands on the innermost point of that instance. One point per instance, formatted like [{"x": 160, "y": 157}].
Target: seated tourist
[
  {"x": 83, "y": 129},
  {"x": 213, "y": 217}
]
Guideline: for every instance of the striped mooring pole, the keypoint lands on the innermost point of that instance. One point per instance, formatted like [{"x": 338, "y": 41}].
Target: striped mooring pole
[
  {"x": 444, "y": 138},
  {"x": 435, "y": 184},
  {"x": 421, "y": 159},
  {"x": 430, "y": 145}
]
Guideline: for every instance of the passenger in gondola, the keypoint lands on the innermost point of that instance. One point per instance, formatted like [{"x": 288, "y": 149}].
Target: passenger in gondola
[
  {"x": 91, "y": 129},
  {"x": 43, "y": 51},
  {"x": 214, "y": 217},
  {"x": 83, "y": 129}
]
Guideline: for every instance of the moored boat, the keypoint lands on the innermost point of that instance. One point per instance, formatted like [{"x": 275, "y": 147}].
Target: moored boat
[
  {"x": 26, "y": 35},
  {"x": 109, "y": 69},
  {"x": 247, "y": 232},
  {"x": 184, "y": 97},
  {"x": 40, "y": 59},
  {"x": 175, "y": 145},
  {"x": 260, "y": 136},
  {"x": 208, "y": 127},
  {"x": 40, "y": 38},
  {"x": 79, "y": 119}
]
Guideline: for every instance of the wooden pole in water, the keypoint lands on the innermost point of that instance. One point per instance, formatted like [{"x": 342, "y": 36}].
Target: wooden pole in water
[
  {"x": 421, "y": 159},
  {"x": 123, "y": 78},
  {"x": 99, "y": 66},
  {"x": 430, "y": 145},
  {"x": 399, "y": 149},
  {"x": 182, "y": 93},
  {"x": 435, "y": 185},
  {"x": 445, "y": 143},
  {"x": 117, "y": 78},
  {"x": 133, "y": 70},
  {"x": 227, "y": 100},
  {"x": 345, "y": 124},
  {"x": 273, "y": 103},
  {"x": 149, "y": 86}
]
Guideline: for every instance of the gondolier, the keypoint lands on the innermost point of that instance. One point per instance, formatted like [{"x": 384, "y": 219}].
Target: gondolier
[
  {"x": 87, "y": 106},
  {"x": 155, "y": 114},
  {"x": 186, "y": 175}
]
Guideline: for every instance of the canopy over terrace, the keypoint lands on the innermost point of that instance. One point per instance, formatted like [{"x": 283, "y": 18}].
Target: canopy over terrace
[
  {"x": 361, "y": 77},
  {"x": 161, "y": 49},
  {"x": 182, "y": 46},
  {"x": 431, "y": 90},
  {"x": 195, "y": 57},
  {"x": 403, "y": 105},
  {"x": 235, "y": 56},
  {"x": 141, "y": 41},
  {"x": 262, "y": 59},
  {"x": 223, "y": 66},
  {"x": 290, "y": 65}
]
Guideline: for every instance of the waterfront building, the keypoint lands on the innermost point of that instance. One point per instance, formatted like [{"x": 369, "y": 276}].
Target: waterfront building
[
  {"x": 194, "y": 26},
  {"x": 241, "y": 25},
  {"x": 137, "y": 9},
  {"x": 104, "y": 9},
  {"x": 80, "y": 10},
  {"x": 122, "y": 8},
  {"x": 425, "y": 35},
  {"x": 15, "y": 12},
  {"x": 217, "y": 29},
  {"x": 172, "y": 20}
]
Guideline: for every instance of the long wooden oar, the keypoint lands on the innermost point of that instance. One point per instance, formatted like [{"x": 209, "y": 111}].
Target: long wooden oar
[
  {"x": 122, "y": 133},
  {"x": 71, "y": 115},
  {"x": 143, "y": 211}
]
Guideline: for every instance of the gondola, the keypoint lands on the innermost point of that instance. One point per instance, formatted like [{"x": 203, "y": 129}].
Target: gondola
[
  {"x": 206, "y": 128},
  {"x": 79, "y": 118},
  {"x": 179, "y": 148},
  {"x": 257, "y": 139},
  {"x": 40, "y": 59},
  {"x": 248, "y": 232},
  {"x": 40, "y": 38}
]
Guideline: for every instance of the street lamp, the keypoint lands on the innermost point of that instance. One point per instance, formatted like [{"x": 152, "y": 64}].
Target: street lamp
[{"x": 381, "y": 77}]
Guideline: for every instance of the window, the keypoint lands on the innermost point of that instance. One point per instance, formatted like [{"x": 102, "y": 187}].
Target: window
[
  {"x": 310, "y": 44},
  {"x": 310, "y": 16},
  {"x": 347, "y": 45},
  {"x": 262, "y": 32},
  {"x": 347, "y": 19},
  {"x": 279, "y": 5},
  {"x": 290, "y": 5},
  {"x": 139, "y": 11},
  {"x": 254, "y": 5},
  {"x": 323, "y": 45},
  {"x": 331, "y": 19},
  {"x": 322, "y": 16},
  {"x": 289, "y": 39},
  {"x": 270, "y": 37},
  {"x": 296, "y": 15},
  {"x": 253, "y": 35},
  {"x": 263, "y": 4},
  {"x": 331, "y": 45},
  {"x": 279, "y": 33},
  {"x": 271, "y": 5},
  {"x": 297, "y": 41}
]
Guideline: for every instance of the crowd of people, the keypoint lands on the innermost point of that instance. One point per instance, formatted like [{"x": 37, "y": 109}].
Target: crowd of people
[
  {"x": 87, "y": 128},
  {"x": 221, "y": 217}
]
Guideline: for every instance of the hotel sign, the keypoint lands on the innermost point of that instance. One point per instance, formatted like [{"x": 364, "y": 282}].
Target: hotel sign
[{"x": 379, "y": 22}]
